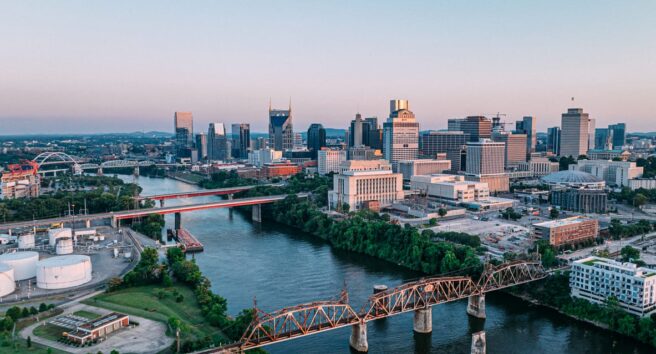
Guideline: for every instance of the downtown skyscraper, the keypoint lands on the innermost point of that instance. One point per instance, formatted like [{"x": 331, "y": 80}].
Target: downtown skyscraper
[
  {"x": 400, "y": 134},
  {"x": 217, "y": 142},
  {"x": 281, "y": 132},
  {"x": 574, "y": 133},
  {"x": 241, "y": 140},
  {"x": 183, "y": 126}
]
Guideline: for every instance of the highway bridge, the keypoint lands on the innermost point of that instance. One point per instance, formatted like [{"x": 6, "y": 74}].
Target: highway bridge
[
  {"x": 116, "y": 217},
  {"x": 78, "y": 165},
  {"x": 416, "y": 296}
]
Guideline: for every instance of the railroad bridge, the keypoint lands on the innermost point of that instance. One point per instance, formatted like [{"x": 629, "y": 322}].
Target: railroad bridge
[{"x": 417, "y": 296}]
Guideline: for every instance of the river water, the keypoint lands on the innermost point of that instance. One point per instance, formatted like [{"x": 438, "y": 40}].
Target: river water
[{"x": 284, "y": 267}]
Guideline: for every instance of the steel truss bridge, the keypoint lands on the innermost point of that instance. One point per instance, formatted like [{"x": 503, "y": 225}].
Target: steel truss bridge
[
  {"x": 79, "y": 165},
  {"x": 417, "y": 296}
]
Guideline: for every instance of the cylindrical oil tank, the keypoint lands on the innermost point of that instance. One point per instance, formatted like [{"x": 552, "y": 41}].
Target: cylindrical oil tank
[
  {"x": 24, "y": 263},
  {"x": 64, "y": 246},
  {"x": 63, "y": 272},
  {"x": 7, "y": 284},
  {"x": 26, "y": 241},
  {"x": 54, "y": 234}
]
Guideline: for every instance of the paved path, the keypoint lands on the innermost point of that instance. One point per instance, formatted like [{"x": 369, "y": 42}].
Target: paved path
[{"x": 148, "y": 337}]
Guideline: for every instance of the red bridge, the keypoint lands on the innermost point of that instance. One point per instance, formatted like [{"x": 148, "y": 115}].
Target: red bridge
[
  {"x": 197, "y": 193},
  {"x": 418, "y": 296}
]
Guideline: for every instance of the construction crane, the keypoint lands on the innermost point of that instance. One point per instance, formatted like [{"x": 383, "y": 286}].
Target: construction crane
[{"x": 496, "y": 120}]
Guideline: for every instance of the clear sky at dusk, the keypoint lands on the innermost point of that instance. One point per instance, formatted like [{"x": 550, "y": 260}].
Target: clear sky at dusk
[{"x": 101, "y": 66}]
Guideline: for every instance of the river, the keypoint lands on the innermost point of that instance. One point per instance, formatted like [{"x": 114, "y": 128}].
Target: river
[{"x": 283, "y": 267}]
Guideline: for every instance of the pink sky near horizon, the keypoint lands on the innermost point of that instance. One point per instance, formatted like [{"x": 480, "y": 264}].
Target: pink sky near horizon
[{"x": 81, "y": 67}]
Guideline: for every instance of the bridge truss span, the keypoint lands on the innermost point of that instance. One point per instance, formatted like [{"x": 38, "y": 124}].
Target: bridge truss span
[
  {"x": 510, "y": 274},
  {"x": 298, "y": 321},
  {"x": 418, "y": 295}
]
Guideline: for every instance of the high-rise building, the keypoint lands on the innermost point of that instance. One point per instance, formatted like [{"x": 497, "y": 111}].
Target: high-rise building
[
  {"x": 400, "y": 134},
  {"x": 281, "y": 132},
  {"x": 357, "y": 131},
  {"x": 475, "y": 127},
  {"x": 553, "y": 140},
  {"x": 591, "y": 133},
  {"x": 241, "y": 140},
  {"x": 485, "y": 157},
  {"x": 217, "y": 142},
  {"x": 574, "y": 133},
  {"x": 433, "y": 142},
  {"x": 603, "y": 139},
  {"x": 316, "y": 138},
  {"x": 183, "y": 126},
  {"x": 527, "y": 126},
  {"x": 201, "y": 145},
  {"x": 458, "y": 158},
  {"x": 515, "y": 147},
  {"x": 619, "y": 134}
]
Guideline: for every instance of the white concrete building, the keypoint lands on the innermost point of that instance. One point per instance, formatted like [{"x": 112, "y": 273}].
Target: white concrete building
[
  {"x": 409, "y": 168},
  {"x": 539, "y": 166},
  {"x": 596, "y": 279},
  {"x": 363, "y": 181},
  {"x": 261, "y": 157},
  {"x": 614, "y": 173},
  {"x": 329, "y": 160},
  {"x": 645, "y": 183},
  {"x": 450, "y": 188}
]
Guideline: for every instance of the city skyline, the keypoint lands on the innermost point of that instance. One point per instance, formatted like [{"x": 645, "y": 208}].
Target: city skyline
[{"x": 454, "y": 60}]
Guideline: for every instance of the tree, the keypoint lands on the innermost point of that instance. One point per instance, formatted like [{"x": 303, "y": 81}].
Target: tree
[
  {"x": 43, "y": 307},
  {"x": 554, "y": 213},
  {"x": 345, "y": 208},
  {"x": 639, "y": 200},
  {"x": 442, "y": 212},
  {"x": 432, "y": 222},
  {"x": 630, "y": 254},
  {"x": 14, "y": 313},
  {"x": 29, "y": 341}
]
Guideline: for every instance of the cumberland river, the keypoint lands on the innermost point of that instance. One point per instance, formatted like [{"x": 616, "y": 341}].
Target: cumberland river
[{"x": 284, "y": 267}]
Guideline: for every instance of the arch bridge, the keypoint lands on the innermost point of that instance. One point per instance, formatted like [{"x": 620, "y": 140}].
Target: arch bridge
[{"x": 416, "y": 296}]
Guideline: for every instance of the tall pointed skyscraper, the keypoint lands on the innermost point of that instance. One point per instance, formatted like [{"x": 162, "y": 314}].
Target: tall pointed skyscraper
[{"x": 281, "y": 132}]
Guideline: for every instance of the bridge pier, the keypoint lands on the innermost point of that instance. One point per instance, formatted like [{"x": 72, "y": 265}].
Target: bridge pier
[
  {"x": 423, "y": 321},
  {"x": 478, "y": 343},
  {"x": 476, "y": 306},
  {"x": 358, "y": 339},
  {"x": 178, "y": 221},
  {"x": 136, "y": 170},
  {"x": 257, "y": 212},
  {"x": 161, "y": 203},
  {"x": 100, "y": 171},
  {"x": 87, "y": 223},
  {"x": 231, "y": 196},
  {"x": 115, "y": 222}
]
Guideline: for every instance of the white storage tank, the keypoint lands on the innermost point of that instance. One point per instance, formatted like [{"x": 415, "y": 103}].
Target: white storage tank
[
  {"x": 63, "y": 272},
  {"x": 26, "y": 241},
  {"x": 24, "y": 263},
  {"x": 54, "y": 234},
  {"x": 64, "y": 246},
  {"x": 7, "y": 284}
]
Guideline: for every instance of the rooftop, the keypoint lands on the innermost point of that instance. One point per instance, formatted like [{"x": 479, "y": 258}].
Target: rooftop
[
  {"x": 560, "y": 222},
  {"x": 570, "y": 177}
]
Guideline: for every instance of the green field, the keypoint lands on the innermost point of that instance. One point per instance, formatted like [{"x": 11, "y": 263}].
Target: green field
[
  {"x": 49, "y": 331},
  {"x": 19, "y": 346},
  {"x": 87, "y": 314},
  {"x": 143, "y": 301}
]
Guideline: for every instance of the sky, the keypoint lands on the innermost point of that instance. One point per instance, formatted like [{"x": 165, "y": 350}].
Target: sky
[{"x": 121, "y": 66}]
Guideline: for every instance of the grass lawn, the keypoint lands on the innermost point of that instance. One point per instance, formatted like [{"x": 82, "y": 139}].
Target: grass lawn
[
  {"x": 143, "y": 301},
  {"x": 87, "y": 314},
  {"x": 19, "y": 346},
  {"x": 49, "y": 331}
]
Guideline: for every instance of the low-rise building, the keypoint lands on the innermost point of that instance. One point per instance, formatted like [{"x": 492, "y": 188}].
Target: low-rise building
[
  {"x": 582, "y": 200},
  {"x": 539, "y": 166},
  {"x": 496, "y": 182},
  {"x": 644, "y": 183},
  {"x": 568, "y": 231},
  {"x": 596, "y": 154},
  {"x": 98, "y": 328},
  {"x": 263, "y": 156},
  {"x": 329, "y": 160},
  {"x": 409, "y": 168},
  {"x": 279, "y": 169},
  {"x": 450, "y": 188},
  {"x": 21, "y": 180},
  {"x": 361, "y": 182},
  {"x": 614, "y": 173},
  {"x": 596, "y": 279}
]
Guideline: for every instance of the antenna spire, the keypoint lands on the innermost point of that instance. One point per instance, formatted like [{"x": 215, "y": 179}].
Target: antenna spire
[{"x": 269, "y": 104}]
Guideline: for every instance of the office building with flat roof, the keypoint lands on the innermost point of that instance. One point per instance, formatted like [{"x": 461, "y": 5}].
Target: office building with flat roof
[
  {"x": 434, "y": 142},
  {"x": 568, "y": 231},
  {"x": 363, "y": 182},
  {"x": 574, "y": 133},
  {"x": 409, "y": 168},
  {"x": 183, "y": 126},
  {"x": 474, "y": 127},
  {"x": 330, "y": 160},
  {"x": 596, "y": 279},
  {"x": 400, "y": 134},
  {"x": 485, "y": 157}
]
